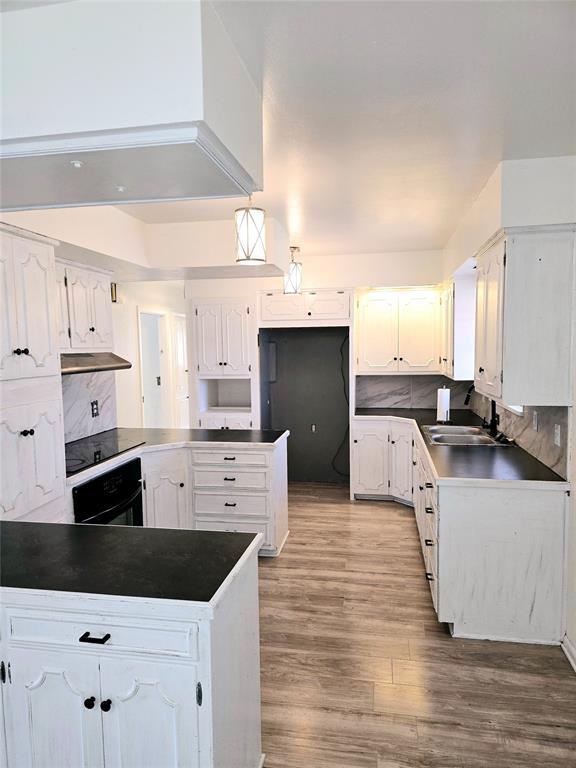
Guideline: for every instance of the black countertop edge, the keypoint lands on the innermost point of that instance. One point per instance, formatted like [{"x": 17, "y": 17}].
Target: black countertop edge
[
  {"x": 472, "y": 462},
  {"x": 119, "y": 561}
]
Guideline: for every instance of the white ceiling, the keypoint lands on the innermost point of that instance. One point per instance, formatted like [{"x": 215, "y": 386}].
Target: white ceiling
[{"x": 383, "y": 120}]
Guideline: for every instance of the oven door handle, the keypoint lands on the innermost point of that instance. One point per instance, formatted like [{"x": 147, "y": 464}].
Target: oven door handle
[{"x": 117, "y": 507}]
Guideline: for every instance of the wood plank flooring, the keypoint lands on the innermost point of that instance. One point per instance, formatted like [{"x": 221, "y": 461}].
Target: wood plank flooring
[{"x": 358, "y": 673}]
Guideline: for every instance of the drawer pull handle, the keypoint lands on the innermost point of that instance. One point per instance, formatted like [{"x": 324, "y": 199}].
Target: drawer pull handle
[
  {"x": 229, "y": 458},
  {"x": 429, "y": 510},
  {"x": 89, "y": 703},
  {"x": 429, "y": 542},
  {"x": 106, "y": 705},
  {"x": 229, "y": 504},
  {"x": 86, "y": 638},
  {"x": 430, "y": 577},
  {"x": 230, "y": 479},
  {"x": 429, "y": 485}
]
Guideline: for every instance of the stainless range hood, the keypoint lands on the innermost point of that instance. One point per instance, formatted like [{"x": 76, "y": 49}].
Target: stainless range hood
[{"x": 90, "y": 362}]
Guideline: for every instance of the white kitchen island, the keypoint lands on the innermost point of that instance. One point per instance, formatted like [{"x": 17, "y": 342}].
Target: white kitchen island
[{"x": 130, "y": 647}]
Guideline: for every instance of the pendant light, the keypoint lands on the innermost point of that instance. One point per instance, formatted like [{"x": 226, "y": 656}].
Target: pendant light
[
  {"x": 250, "y": 235},
  {"x": 293, "y": 280}
]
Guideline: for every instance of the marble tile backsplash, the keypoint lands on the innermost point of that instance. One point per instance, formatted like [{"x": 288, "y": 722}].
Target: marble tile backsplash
[
  {"x": 519, "y": 427},
  {"x": 78, "y": 392},
  {"x": 407, "y": 391}
]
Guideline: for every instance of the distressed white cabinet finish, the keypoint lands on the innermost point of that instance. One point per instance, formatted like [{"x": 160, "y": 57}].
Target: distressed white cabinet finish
[
  {"x": 370, "y": 473},
  {"x": 418, "y": 320},
  {"x": 305, "y": 308},
  {"x": 90, "y": 309},
  {"x": 226, "y": 419},
  {"x": 398, "y": 331},
  {"x": 400, "y": 460},
  {"x": 168, "y": 494},
  {"x": 28, "y": 336},
  {"x": 524, "y": 305},
  {"x": 222, "y": 339},
  {"x": 33, "y": 468},
  {"x": 175, "y": 685},
  {"x": 45, "y": 682},
  {"x": 154, "y": 719},
  {"x": 62, "y": 316},
  {"x": 446, "y": 354},
  {"x": 489, "y": 320}
]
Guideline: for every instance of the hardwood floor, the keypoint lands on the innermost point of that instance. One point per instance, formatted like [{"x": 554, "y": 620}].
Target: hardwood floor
[{"x": 358, "y": 673}]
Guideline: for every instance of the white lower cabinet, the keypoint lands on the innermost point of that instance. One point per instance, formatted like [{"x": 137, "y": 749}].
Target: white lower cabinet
[
  {"x": 220, "y": 487},
  {"x": 32, "y": 448},
  {"x": 381, "y": 461}
]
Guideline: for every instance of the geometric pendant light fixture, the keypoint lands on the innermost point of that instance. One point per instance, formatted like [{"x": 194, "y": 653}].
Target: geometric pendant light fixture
[
  {"x": 293, "y": 279},
  {"x": 250, "y": 235}
]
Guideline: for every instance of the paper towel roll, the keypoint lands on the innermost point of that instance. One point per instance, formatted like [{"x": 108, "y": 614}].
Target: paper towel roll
[{"x": 443, "y": 405}]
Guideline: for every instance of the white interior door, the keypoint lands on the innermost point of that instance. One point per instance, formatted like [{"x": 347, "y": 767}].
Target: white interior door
[
  {"x": 181, "y": 377},
  {"x": 48, "y": 724},
  {"x": 235, "y": 341},
  {"x": 10, "y": 362},
  {"x": 153, "y": 715},
  {"x": 36, "y": 308},
  {"x": 155, "y": 371},
  {"x": 378, "y": 333},
  {"x": 209, "y": 338},
  {"x": 418, "y": 337}
]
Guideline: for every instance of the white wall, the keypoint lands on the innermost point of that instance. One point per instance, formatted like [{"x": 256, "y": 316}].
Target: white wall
[
  {"x": 103, "y": 229},
  {"x": 354, "y": 271},
  {"x": 166, "y": 297}
]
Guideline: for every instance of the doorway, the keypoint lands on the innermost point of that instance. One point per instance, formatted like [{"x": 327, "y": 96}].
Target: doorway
[
  {"x": 304, "y": 388},
  {"x": 154, "y": 371}
]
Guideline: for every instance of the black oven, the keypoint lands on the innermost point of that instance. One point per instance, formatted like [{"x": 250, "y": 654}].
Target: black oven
[{"x": 112, "y": 498}]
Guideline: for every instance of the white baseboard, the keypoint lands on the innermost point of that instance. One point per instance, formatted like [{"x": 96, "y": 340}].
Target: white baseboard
[{"x": 569, "y": 649}]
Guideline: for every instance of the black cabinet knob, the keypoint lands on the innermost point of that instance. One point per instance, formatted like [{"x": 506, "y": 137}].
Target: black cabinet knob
[
  {"x": 92, "y": 329},
  {"x": 90, "y": 703},
  {"x": 355, "y": 441},
  {"x": 25, "y": 433},
  {"x": 420, "y": 487},
  {"x": 224, "y": 363},
  {"x": 400, "y": 358},
  {"x": 106, "y": 705},
  {"x": 395, "y": 358},
  {"x": 181, "y": 485},
  {"x": 414, "y": 463},
  {"x": 480, "y": 370},
  {"x": 220, "y": 363},
  {"x": 25, "y": 351},
  {"x": 30, "y": 431},
  {"x": 17, "y": 351},
  {"x": 393, "y": 442}
]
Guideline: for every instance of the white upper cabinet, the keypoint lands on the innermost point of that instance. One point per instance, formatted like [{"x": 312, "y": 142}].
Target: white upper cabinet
[
  {"x": 398, "y": 331},
  {"x": 223, "y": 343},
  {"x": 287, "y": 309},
  {"x": 418, "y": 316},
  {"x": 523, "y": 310},
  {"x": 446, "y": 354},
  {"x": 377, "y": 333},
  {"x": 28, "y": 336},
  {"x": 90, "y": 309},
  {"x": 62, "y": 316}
]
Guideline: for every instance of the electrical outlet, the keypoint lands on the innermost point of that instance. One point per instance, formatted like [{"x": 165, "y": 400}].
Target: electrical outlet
[
  {"x": 313, "y": 428},
  {"x": 94, "y": 408},
  {"x": 535, "y": 421},
  {"x": 557, "y": 434}
]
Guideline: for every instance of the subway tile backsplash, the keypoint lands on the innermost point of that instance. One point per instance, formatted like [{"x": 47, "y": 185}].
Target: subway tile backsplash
[
  {"x": 78, "y": 392},
  {"x": 407, "y": 391}
]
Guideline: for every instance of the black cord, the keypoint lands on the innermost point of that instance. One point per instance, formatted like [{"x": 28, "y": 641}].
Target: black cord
[{"x": 345, "y": 438}]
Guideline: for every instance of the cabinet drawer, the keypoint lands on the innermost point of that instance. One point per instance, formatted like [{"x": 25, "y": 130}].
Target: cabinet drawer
[
  {"x": 230, "y": 505},
  {"x": 230, "y": 458},
  {"x": 170, "y": 638},
  {"x": 230, "y": 480},
  {"x": 234, "y": 526}
]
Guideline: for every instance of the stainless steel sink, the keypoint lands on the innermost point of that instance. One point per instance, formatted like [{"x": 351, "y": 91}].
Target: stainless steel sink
[
  {"x": 462, "y": 440},
  {"x": 450, "y": 434},
  {"x": 451, "y": 429}
]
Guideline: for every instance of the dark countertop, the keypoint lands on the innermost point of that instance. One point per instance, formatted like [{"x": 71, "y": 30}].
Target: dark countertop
[
  {"x": 472, "y": 461},
  {"x": 116, "y": 560},
  {"x": 89, "y": 451}
]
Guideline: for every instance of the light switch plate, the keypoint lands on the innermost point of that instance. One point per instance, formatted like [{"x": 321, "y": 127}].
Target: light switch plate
[
  {"x": 535, "y": 421},
  {"x": 557, "y": 434}
]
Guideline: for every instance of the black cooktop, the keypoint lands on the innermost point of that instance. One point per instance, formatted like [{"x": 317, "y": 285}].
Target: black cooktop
[{"x": 89, "y": 451}]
